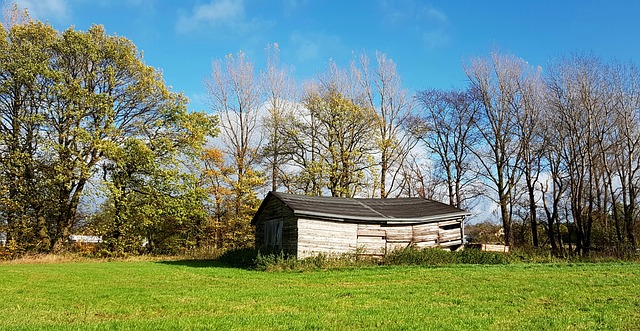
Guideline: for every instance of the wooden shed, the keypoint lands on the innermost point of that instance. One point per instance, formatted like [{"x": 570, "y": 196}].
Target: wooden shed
[{"x": 308, "y": 225}]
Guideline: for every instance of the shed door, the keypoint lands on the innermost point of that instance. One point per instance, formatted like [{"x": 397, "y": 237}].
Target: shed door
[{"x": 273, "y": 234}]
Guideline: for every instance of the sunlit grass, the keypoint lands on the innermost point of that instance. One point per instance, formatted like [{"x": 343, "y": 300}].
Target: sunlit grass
[{"x": 206, "y": 295}]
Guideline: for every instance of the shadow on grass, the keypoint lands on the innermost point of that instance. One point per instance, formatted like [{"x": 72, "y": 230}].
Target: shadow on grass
[
  {"x": 237, "y": 259},
  {"x": 204, "y": 264}
]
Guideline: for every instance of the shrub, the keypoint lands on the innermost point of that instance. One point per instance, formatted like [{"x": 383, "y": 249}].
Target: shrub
[
  {"x": 239, "y": 258},
  {"x": 476, "y": 256},
  {"x": 436, "y": 256}
]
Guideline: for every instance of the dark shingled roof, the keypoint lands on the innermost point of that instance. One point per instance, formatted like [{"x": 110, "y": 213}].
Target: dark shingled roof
[{"x": 387, "y": 211}]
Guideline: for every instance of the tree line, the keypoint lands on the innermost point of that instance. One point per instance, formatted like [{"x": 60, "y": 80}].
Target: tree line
[
  {"x": 555, "y": 151},
  {"x": 93, "y": 141}
]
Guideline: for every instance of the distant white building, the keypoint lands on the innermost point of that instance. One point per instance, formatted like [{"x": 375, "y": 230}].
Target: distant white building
[
  {"x": 3, "y": 238},
  {"x": 85, "y": 239}
]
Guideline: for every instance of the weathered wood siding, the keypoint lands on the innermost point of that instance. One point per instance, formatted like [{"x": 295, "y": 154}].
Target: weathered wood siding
[
  {"x": 326, "y": 237},
  {"x": 495, "y": 248},
  {"x": 398, "y": 237},
  {"x": 277, "y": 210},
  {"x": 376, "y": 239},
  {"x": 450, "y": 233},
  {"x": 425, "y": 235},
  {"x": 372, "y": 239}
]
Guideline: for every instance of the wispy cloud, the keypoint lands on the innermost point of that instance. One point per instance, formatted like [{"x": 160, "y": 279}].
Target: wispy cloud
[
  {"x": 306, "y": 48},
  {"x": 436, "y": 15},
  {"x": 431, "y": 23},
  {"x": 46, "y": 9},
  {"x": 291, "y": 6},
  {"x": 314, "y": 46},
  {"x": 436, "y": 38},
  {"x": 213, "y": 14}
]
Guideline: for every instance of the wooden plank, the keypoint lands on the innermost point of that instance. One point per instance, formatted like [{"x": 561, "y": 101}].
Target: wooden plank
[
  {"x": 426, "y": 227},
  {"x": 448, "y": 238},
  {"x": 426, "y": 244},
  {"x": 372, "y": 245},
  {"x": 428, "y": 237},
  {"x": 325, "y": 225},
  {"x": 449, "y": 234},
  {"x": 402, "y": 233},
  {"x": 326, "y": 248},
  {"x": 326, "y": 240},
  {"x": 454, "y": 232},
  {"x": 391, "y": 246},
  {"x": 323, "y": 233},
  {"x": 422, "y": 232},
  {"x": 371, "y": 232},
  {"x": 445, "y": 223},
  {"x": 425, "y": 233},
  {"x": 369, "y": 240},
  {"x": 495, "y": 248},
  {"x": 368, "y": 226},
  {"x": 451, "y": 243},
  {"x": 312, "y": 250}
]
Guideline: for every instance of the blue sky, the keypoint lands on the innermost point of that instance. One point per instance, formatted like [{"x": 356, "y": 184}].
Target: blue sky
[{"x": 429, "y": 40}]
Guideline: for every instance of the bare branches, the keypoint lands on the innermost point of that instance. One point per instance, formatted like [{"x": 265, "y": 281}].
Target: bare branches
[
  {"x": 447, "y": 127},
  {"x": 381, "y": 89}
]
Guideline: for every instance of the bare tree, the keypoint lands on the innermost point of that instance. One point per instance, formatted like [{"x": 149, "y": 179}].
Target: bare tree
[
  {"x": 447, "y": 128},
  {"x": 235, "y": 96},
  {"x": 383, "y": 91},
  {"x": 624, "y": 89},
  {"x": 528, "y": 123},
  {"x": 496, "y": 82},
  {"x": 582, "y": 121},
  {"x": 416, "y": 180},
  {"x": 280, "y": 90},
  {"x": 553, "y": 186}
]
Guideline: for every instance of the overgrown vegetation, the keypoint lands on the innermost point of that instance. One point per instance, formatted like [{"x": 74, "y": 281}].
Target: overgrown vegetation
[{"x": 255, "y": 260}]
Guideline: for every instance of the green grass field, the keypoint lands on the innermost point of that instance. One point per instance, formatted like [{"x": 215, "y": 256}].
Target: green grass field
[{"x": 176, "y": 295}]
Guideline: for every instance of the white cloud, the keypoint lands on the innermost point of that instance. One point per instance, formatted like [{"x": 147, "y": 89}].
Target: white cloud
[
  {"x": 314, "y": 46},
  {"x": 46, "y": 9},
  {"x": 291, "y": 6},
  {"x": 436, "y": 38},
  {"x": 436, "y": 15},
  {"x": 214, "y": 13},
  {"x": 431, "y": 24},
  {"x": 306, "y": 48}
]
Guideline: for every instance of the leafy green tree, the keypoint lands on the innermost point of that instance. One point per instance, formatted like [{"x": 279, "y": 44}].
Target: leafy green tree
[
  {"x": 71, "y": 104},
  {"x": 25, "y": 81},
  {"x": 152, "y": 185},
  {"x": 345, "y": 140}
]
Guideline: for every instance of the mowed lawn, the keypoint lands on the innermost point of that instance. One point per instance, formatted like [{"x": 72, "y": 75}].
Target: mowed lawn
[{"x": 178, "y": 295}]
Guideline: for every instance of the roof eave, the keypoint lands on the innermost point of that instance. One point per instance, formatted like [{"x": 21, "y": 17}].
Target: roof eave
[{"x": 381, "y": 220}]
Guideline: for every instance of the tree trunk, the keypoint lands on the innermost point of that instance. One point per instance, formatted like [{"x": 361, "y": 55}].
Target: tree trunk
[{"x": 532, "y": 212}]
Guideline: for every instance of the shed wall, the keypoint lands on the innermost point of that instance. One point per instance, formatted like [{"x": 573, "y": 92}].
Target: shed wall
[
  {"x": 326, "y": 237},
  {"x": 277, "y": 210},
  {"x": 379, "y": 239}
]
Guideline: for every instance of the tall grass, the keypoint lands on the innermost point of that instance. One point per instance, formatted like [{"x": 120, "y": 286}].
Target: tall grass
[
  {"x": 423, "y": 257},
  {"x": 248, "y": 258}
]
